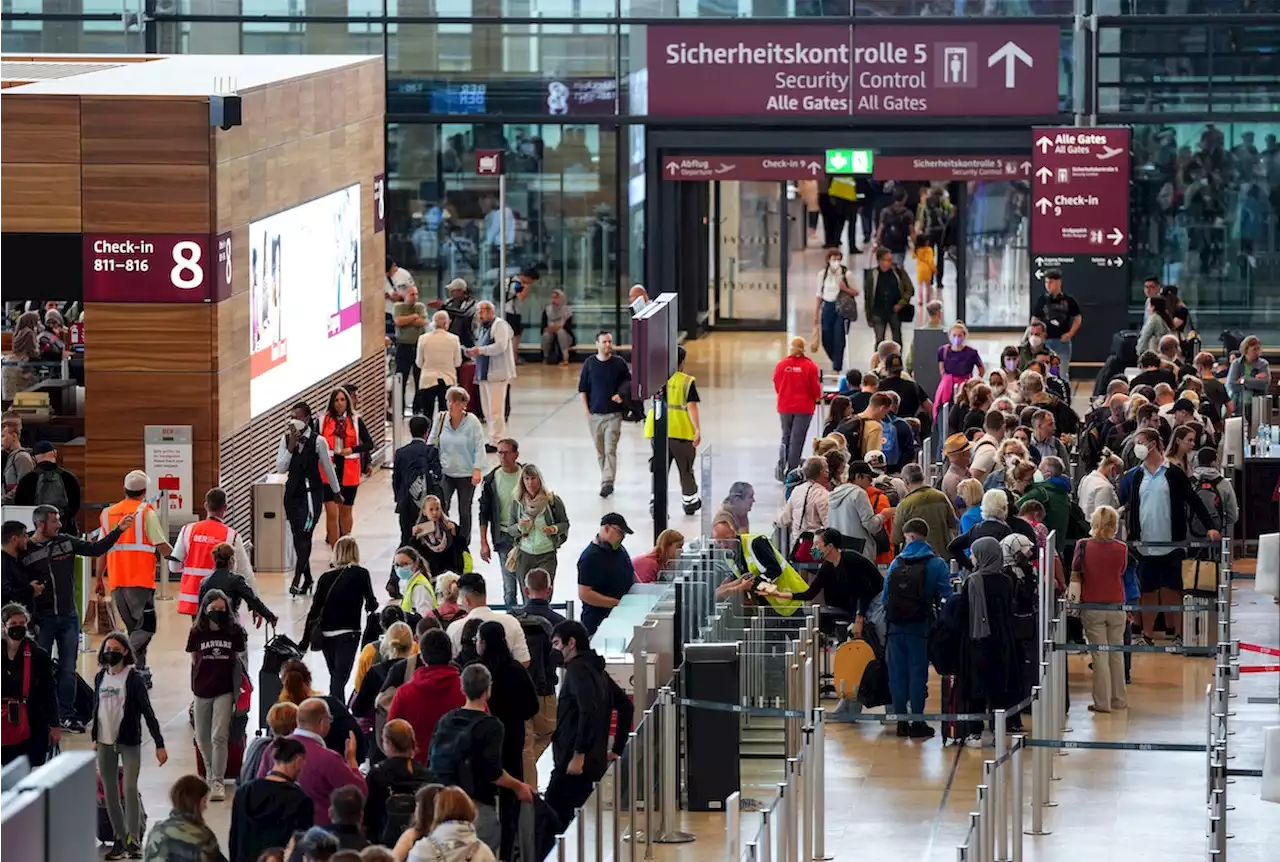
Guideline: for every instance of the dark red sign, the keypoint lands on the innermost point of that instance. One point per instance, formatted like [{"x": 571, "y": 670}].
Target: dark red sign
[
  {"x": 884, "y": 70},
  {"x": 582, "y": 96},
  {"x": 761, "y": 168},
  {"x": 488, "y": 163},
  {"x": 951, "y": 168},
  {"x": 222, "y": 283},
  {"x": 77, "y": 334},
  {"x": 1080, "y": 191},
  {"x": 147, "y": 268},
  {"x": 379, "y": 203}
]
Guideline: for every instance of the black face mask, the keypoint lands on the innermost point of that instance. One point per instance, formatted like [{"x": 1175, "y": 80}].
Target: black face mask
[
  {"x": 220, "y": 617},
  {"x": 16, "y": 633},
  {"x": 112, "y": 657}
]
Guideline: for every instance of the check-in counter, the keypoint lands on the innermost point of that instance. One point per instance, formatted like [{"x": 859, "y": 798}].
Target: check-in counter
[{"x": 640, "y": 628}]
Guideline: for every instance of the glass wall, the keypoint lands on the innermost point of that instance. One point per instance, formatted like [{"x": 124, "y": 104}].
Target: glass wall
[
  {"x": 444, "y": 221},
  {"x": 997, "y": 273}
]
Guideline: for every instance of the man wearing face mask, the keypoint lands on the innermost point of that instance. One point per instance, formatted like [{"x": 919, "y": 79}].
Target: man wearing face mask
[
  {"x": 1061, "y": 316},
  {"x": 1157, "y": 496},
  {"x": 30, "y": 718},
  {"x": 1030, "y": 346},
  {"x": 20, "y": 585},
  {"x": 605, "y": 573}
]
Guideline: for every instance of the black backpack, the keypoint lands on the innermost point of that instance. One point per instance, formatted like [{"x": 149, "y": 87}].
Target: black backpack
[
  {"x": 51, "y": 490},
  {"x": 398, "y": 811},
  {"x": 906, "y": 597},
  {"x": 426, "y": 475},
  {"x": 935, "y": 220},
  {"x": 895, "y": 233},
  {"x": 537, "y": 633},
  {"x": 1207, "y": 491}
]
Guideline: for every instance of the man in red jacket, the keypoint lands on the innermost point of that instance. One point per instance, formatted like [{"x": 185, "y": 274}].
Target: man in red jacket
[
  {"x": 435, "y": 689},
  {"x": 798, "y": 383}
]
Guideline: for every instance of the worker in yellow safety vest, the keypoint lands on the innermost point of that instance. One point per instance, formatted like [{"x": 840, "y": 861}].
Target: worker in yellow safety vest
[
  {"x": 193, "y": 552},
  {"x": 684, "y": 432},
  {"x": 419, "y": 595},
  {"x": 759, "y": 569},
  {"x": 130, "y": 565}
]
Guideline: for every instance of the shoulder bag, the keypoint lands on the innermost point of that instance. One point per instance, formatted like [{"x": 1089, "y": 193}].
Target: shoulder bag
[
  {"x": 315, "y": 635},
  {"x": 846, "y": 303}
]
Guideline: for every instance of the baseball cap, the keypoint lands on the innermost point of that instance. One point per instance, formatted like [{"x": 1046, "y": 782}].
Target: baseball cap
[
  {"x": 875, "y": 460},
  {"x": 613, "y": 519},
  {"x": 860, "y": 468},
  {"x": 135, "y": 480},
  {"x": 955, "y": 444},
  {"x": 43, "y": 447}
]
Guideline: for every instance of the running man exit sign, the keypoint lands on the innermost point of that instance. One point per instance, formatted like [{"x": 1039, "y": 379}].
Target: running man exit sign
[{"x": 849, "y": 161}]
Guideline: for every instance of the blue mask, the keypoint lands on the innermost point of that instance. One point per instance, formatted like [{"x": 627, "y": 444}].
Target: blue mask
[{"x": 404, "y": 573}]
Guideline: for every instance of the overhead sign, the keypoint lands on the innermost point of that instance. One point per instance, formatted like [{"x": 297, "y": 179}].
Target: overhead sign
[
  {"x": 224, "y": 276},
  {"x": 488, "y": 163},
  {"x": 143, "y": 267},
  {"x": 582, "y": 96},
  {"x": 885, "y": 70},
  {"x": 379, "y": 202},
  {"x": 168, "y": 466},
  {"x": 850, "y": 162},
  {"x": 1080, "y": 191},
  {"x": 760, "y": 168},
  {"x": 952, "y": 168}
]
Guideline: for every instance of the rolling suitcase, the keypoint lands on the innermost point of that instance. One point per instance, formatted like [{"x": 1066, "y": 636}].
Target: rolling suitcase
[
  {"x": 952, "y": 731},
  {"x": 236, "y": 742},
  {"x": 467, "y": 380},
  {"x": 278, "y": 650}
]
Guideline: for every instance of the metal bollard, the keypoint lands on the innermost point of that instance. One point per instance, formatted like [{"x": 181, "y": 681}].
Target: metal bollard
[
  {"x": 1015, "y": 768},
  {"x": 993, "y": 821},
  {"x": 782, "y": 809},
  {"x": 560, "y": 848},
  {"x": 668, "y": 778},
  {"x": 998, "y": 786},
  {"x": 978, "y": 844},
  {"x": 633, "y": 752},
  {"x": 819, "y": 786},
  {"x": 617, "y": 810},
  {"x": 648, "y": 783},
  {"x": 581, "y": 821},
  {"x": 597, "y": 793},
  {"x": 733, "y": 826},
  {"x": 1039, "y": 783},
  {"x": 766, "y": 836}
]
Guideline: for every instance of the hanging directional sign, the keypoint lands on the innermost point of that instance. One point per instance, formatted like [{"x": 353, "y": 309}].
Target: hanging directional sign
[
  {"x": 1080, "y": 191},
  {"x": 850, "y": 162},
  {"x": 740, "y": 167}
]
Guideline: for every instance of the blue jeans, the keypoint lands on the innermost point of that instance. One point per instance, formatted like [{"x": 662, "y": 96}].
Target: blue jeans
[
  {"x": 833, "y": 334},
  {"x": 63, "y": 629},
  {"x": 1063, "y": 349},
  {"x": 908, "y": 656}
]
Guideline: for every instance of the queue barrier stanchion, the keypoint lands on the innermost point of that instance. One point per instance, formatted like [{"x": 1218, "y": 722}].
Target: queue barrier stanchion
[
  {"x": 669, "y": 718},
  {"x": 733, "y": 826}
]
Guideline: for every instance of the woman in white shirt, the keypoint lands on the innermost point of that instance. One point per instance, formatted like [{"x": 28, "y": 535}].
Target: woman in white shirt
[
  {"x": 1096, "y": 489},
  {"x": 439, "y": 356},
  {"x": 120, "y": 705},
  {"x": 832, "y": 326}
]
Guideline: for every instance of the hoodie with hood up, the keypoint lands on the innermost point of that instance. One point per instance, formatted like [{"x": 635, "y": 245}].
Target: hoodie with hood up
[
  {"x": 588, "y": 699},
  {"x": 265, "y": 813},
  {"x": 849, "y": 512},
  {"x": 937, "y": 582},
  {"x": 429, "y": 694}
]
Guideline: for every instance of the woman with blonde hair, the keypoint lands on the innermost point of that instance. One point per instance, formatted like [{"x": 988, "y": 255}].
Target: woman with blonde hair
[
  {"x": 539, "y": 524},
  {"x": 798, "y": 386},
  {"x": 448, "y": 610},
  {"x": 956, "y": 363},
  {"x": 437, "y": 538},
  {"x": 1097, "y": 575},
  {"x": 650, "y": 565},
  {"x": 334, "y": 622},
  {"x": 453, "y": 837},
  {"x": 460, "y": 438},
  {"x": 970, "y": 491}
]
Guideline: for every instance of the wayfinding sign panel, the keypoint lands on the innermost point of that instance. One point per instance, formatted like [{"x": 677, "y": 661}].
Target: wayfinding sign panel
[
  {"x": 879, "y": 70},
  {"x": 952, "y": 168},
  {"x": 1080, "y": 191},
  {"x": 736, "y": 167}
]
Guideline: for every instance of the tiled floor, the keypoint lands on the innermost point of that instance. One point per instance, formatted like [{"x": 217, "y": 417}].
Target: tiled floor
[{"x": 887, "y": 799}]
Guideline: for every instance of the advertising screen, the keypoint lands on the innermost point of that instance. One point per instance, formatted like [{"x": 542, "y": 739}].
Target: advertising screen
[{"x": 304, "y": 296}]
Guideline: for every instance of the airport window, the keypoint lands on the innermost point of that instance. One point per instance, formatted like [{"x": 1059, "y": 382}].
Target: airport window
[{"x": 443, "y": 220}]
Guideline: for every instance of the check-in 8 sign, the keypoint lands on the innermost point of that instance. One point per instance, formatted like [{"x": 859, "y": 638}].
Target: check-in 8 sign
[{"x": 850, "y": 162}]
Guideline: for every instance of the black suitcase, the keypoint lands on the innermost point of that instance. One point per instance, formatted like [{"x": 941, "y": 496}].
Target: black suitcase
[
  {"x": 278, "y": 650},
  {"x": 952, "y": 731},
  {"x": 1124, "y": 346}
]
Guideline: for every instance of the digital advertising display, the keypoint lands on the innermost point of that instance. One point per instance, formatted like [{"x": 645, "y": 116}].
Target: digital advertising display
[{"x": 304, "y": 296}]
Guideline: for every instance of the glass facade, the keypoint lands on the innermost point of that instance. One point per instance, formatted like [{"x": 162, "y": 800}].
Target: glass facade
[{"x": 561, "y": 87}]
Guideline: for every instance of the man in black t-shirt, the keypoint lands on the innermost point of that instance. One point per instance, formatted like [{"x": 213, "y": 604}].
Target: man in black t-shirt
[
  {"x": 912, "y": 399},
  {"x": 1061, "y": 316},
  {"x": 1153, "y": 372},
  {"x": 848, "y": 581},
  {"x": 897, "y": 225}
]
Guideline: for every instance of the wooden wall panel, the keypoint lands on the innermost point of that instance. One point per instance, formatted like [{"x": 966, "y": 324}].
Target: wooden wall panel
[
  {"x": 40, "y": 198},
  {"x": 40, "y": 129},
  {"x": 155, "y": 199},
  {"x": 119, "y": 403},
  {"x": 110, "y": 460},
  {"x": 135, "y": 336},
  {"x": 232, "y": 322},
  {"x": 129, "y": 131}
]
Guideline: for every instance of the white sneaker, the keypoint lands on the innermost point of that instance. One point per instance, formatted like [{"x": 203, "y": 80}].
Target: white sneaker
[
  {"x": 217, "y": 791},
  {"x": 973, "y": 740}
]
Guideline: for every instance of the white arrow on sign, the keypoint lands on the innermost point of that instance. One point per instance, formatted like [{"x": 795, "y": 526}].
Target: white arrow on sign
[
  {"x": 1116, "y": 236},
  {"x": 1119, "y": 261},
  {"x": 1026, "y": 168},
  {"x": 1010, "y": 54},
  {"x": 1043, "y": 205},
  {"x": 815, "y": 168},
  {"x": 1039, "y": 261},
  {"x": 673, "y": 168},
  {"x": 1044, "y": 143},
  {"x": 1040, "y": 273},
  {"x": 1044, "y": 175}
]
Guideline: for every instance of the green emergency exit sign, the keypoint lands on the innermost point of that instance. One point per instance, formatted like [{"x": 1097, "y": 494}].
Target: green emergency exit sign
[{"x": 849, "y": 161}]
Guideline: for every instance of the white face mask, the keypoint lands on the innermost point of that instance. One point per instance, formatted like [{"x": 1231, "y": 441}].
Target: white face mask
[
  {"x": 1140, "y": 451},
  {"x": 1037, "y": 476},
  {"x": 1009, "y": 461},
  {"x": 833, "y": 265},
  {"x": 1035, "y": 341}
]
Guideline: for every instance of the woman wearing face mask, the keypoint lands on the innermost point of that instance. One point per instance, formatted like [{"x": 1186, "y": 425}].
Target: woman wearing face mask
[
  {"x": 213, "y": 643},
  {"x": 1053, "y": 381},
  {"x": 1009, "y": 361},
  {"x": 413, "y": 574},
  {"x": 832, "y": 326},
  {"x": 120, "y": 706},
  {"x": 956, "y": 364},
  {"x": 29, "y": 693},
  {"x": 999, "y": 383}
]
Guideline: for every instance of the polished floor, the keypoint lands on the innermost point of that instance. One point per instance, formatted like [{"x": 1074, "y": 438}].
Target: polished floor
[{"x": 886, "y": 798}]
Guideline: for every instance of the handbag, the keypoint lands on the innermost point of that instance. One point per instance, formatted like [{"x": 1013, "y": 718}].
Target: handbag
[
  {"x": 846, "y": 303},
  {"x": 1200, "y": 576},
  {"x": 16, "y": 720},
  {"x": 315, "y": 637},
  {"x": 99, "y": 616}
]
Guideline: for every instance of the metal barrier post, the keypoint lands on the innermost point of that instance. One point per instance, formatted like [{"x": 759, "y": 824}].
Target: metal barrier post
[
  {"x": 633, "y": 753},
  {"x": 1002, "y": 827},
  {"x": 1060, "y": 673},
  {"x": 1015, "y": 769},
  {"x": 978, "y": 844},
  {"x": 1039, "y": 782},
  {"x": 560, "y": 848},
  {"x": 617, "y": 810},
  {"x": 733, "y": 826},
  {"x": 766, "y": 836},
  {"x": 782, "y": 807},
  {"x": 597, "y": 793},
  {"x": 667, "y": 780},
  {"x": 162, "y": 510},
  {"x": 581, "y": 821},
  {"x": 992, "y": 818},
  {"x": 648, "y": 782},
  {"x": 819, "y": 780},
  {"x": 397, "y": 417}
]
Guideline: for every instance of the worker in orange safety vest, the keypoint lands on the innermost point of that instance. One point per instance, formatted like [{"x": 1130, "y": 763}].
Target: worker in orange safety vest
[
  {"x": 130, "y": 565},
  {"x": 193, "y": 552}
]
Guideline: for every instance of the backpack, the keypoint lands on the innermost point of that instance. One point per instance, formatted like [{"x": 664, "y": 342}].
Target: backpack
[
  {"x": 382, "y": 706},
  {"x": 397, "y": 812},
  {"x": 895, "y": 233},
  {"x": 906, "y": 600},
  {"x": 537, "y": 634},
  {"x": 426, "y": 475},
  {"x": 885, "y": 487},
  {"x": 889, "y": 441},
  {"x": 1207, "y": 491},
  {"x": 51, "y": 490},
  {"x": 935, "y": 221},
  {"x": 881, "y": 536}
]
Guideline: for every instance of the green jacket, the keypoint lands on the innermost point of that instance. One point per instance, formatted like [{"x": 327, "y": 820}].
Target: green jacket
[
  {"x": 1060, "y": 513},
  {"x": 178, "y": 838},
  {"x": 931, "y": 506},
  {"x": 905, "y": 288}
]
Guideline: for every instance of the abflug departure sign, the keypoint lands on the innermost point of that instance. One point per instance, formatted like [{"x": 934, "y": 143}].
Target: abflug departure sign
[{"x": 899, "y": 70}]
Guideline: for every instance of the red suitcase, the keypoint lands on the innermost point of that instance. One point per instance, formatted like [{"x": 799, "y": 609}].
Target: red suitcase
[
  {"x": 235, "y": 758},
  {"x": 467, "y": 380},
  {"x": 952, "y": 731}
]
